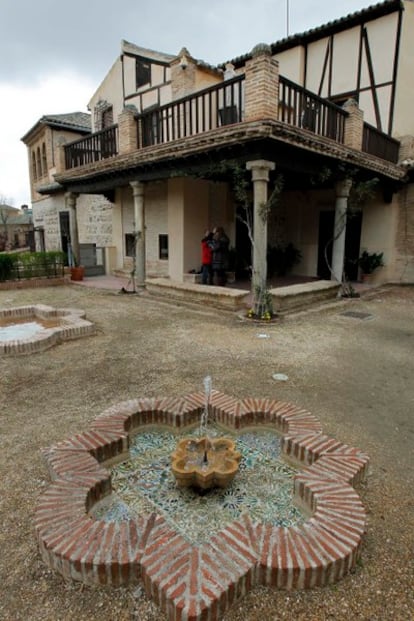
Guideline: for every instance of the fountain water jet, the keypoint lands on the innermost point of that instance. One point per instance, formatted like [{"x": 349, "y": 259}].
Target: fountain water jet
[{"x": 207, "y": 462}]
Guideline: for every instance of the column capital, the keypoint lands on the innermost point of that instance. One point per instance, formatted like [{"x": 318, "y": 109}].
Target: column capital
[
  {"x": 260, "y": 169},
  {"x": 343, "y": 188},
  {"x": 137, "y": 188}
]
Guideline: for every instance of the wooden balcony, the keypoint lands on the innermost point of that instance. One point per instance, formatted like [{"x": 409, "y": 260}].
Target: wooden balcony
[
  {"x": 379, "y": 144},
  {"x": 302, "y": 108},
  {"x": 223, "y": 106},
  {"x": 213, "y": 107},
  {"x": 95, "y": 147}
]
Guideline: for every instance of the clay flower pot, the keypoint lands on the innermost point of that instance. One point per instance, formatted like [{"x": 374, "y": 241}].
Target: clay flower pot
[{"x": 77, "y": 272}]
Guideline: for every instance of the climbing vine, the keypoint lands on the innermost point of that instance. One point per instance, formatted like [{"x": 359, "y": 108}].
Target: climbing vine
[
  {"x": 360, "y": 192},
  {"x": 262, "y": 306}
]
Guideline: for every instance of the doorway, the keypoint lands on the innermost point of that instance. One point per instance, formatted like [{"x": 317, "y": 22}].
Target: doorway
[{"x": 64, "y": 224}]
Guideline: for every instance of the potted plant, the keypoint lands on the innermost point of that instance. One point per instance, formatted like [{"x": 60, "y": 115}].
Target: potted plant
[
  {"x": 369, "y": 262},
  {"x": 77, "y": 271}
]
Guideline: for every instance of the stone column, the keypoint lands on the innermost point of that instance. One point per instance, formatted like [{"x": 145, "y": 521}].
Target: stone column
[
  {"x": 70, "y": 201},
  {"x": 342, "y": 190},
  {"x": 139, "y": 232},
  {"x": 260, "y": 175}
]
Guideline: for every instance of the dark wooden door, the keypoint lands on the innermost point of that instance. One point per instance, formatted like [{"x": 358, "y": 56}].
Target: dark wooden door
[{"x": 64, "y": 231}]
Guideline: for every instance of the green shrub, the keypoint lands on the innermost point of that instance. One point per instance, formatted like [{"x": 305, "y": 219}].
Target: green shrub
[
  {"x": 368, "y": 262},
  {"x": 31, "y": 265},
  {"x": 6, "y": 266}
]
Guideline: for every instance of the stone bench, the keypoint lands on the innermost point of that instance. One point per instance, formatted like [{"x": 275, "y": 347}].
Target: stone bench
[
  {"x": 207, "y": 295},
  {"x": 299, "y": 297}
]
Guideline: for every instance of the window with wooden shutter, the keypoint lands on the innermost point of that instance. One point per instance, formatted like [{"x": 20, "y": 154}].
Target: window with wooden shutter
[{"x": 142, "y": 73}]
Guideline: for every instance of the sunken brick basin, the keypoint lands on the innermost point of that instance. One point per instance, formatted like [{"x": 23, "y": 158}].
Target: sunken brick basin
[
  {"x": 200, "y": 582},
  {"x": 54, "y": 325}
]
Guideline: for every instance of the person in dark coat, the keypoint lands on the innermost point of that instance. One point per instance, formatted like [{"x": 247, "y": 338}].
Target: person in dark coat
[
  {"x": 220, "y": 264},
  {"x": 206, "y": 259}
]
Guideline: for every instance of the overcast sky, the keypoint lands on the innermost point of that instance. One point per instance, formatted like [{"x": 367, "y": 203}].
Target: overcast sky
[{"x": 54, "y": 54}]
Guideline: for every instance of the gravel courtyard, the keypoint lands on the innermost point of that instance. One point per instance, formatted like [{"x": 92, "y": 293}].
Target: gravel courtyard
[{"x": 355, "y": 374}]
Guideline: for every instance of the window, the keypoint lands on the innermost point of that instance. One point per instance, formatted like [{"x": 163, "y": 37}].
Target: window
[
  {"x": 34, "y": 173},
  {"x": 339, "y": 100},
  {"x": 163, "y": 247},
  {"x": 142, "y": 73},
  {"x": 130, "y": 245},
  {"x": 107, "y": 117},
  {"x": 44, "y": 159},
  {"x": 38, "y": 163}
]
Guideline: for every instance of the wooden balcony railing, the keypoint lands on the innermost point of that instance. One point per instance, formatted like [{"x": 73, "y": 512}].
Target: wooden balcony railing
[
  {"x": 93, "y": 148},
  {"x": 302, "y": 108},
  {"x": 222, "y": 104},
  {"x": 382, "y": 145}
]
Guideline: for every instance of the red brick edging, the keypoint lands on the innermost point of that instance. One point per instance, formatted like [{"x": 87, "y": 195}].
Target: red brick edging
[
  {"x": 72, "y": 325},
  {"x": 197, "y": 582},
  {"x": 33, "y": 283}
]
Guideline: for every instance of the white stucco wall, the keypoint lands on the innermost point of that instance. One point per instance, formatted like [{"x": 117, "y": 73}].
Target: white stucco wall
[
  {"x": 403, "y": 112},
  {"x": 110, "y": 90},
  {"x": 156, "y": 219},
  {"x": 379, "y": 227},
  {"x": 292, "y": 63},
  {"x": 188, "y": 218},
  {"x": 342, "y": 57},
  {"x": 194, "y": 205},
  {"x": 296, "y": 221}
]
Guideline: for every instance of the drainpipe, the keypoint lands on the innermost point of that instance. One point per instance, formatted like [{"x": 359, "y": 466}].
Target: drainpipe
[
  {"x": 342, "y": 190},
  {"x": 139, "y": 232},
  {"x": 260, "y": 175}
]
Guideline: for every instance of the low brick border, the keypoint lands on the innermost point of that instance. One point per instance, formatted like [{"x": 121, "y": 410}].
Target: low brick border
[
  {"x": 73, "y": 326},
  {"x": 33, "y": 283},
  {"x": 200, "y": 582}
]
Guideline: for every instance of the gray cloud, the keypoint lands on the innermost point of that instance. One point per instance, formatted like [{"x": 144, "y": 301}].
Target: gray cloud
[
  {"x": 45, "y": 36},
  {"x": 51, "y": 51}
]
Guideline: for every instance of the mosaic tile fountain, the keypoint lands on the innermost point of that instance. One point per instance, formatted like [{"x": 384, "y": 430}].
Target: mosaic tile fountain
[
  {"x": 114, "y": 514},
  {"x": 30, "y": 329}
]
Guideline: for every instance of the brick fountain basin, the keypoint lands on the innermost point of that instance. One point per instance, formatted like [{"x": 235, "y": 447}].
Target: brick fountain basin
[
  {"x": 30, "y": 329},
  {"x": 196, "y": 580}
]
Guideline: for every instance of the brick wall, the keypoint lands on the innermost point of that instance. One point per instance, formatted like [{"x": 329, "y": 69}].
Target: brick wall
[
  {"x": 262, "y": 86},
  {"x": 354, "y": 125},
  {"x": 404, "y": 242}
]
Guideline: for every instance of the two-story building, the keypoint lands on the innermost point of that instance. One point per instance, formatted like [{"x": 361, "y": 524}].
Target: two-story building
[
  {"x": 318, "y": 116},
  {"x": 53, "y": 226}
]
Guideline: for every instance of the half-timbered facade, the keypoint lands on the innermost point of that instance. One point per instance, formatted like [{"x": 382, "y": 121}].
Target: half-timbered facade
[{"x": 316, "y": 114}]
